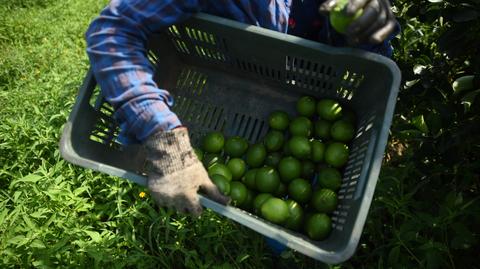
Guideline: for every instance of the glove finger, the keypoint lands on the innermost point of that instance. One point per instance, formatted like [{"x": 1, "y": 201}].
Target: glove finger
[
  {"x": 213, "y": 192},
  {"x": 327, "y": 6},
  {"x": 381, "y": 34},
  {"x": 355, "y": 5},
  {"x": 370, "y": 16},
  {"x": 379, "y": 22},
  {"x": 189, "y": 203}
]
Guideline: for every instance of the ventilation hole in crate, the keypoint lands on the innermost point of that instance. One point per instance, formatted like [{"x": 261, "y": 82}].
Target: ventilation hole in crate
[
  {"x": 95, "y": 96},
  {"x": 307, "y": 74},
  {"x": 181, "y": 46},
  {"x": 261, "y": 131},
  {"x": 173, "y": 30},
  {"x": 152, "y": 58},
  {"x": 191, "y": 82}
]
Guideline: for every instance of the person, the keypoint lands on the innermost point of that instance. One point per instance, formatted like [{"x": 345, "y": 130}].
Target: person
[{"x": 116, "y": 50}]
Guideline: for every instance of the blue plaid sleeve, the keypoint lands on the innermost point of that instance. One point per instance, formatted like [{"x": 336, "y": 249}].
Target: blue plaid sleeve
[{"x": 116, "y": 49}]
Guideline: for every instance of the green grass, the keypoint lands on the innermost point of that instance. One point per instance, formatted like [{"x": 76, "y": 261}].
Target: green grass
[{"x": 54, "y": 214}]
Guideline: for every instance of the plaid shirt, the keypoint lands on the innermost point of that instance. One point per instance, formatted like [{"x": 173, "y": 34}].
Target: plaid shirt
[{"x": 116, "y": 49}]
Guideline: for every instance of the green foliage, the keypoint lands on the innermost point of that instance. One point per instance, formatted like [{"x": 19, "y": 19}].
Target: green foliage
[{"x": 426, "y": 209}]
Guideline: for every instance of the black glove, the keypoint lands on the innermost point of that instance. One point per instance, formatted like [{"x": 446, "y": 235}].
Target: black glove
[{"x": 375, "y": 24}]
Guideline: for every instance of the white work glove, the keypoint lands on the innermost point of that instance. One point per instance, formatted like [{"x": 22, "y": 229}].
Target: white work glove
[
  {"x": 375, "y": 24},
  {"x": 176, "y": 174}
]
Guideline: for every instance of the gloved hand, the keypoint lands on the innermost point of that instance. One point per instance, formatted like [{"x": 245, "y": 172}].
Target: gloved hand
[
  {"x": 176, "y": 174},
  {"x": 375, "y": 24}
]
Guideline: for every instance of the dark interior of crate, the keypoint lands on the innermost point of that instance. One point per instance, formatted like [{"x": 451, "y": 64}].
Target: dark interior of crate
[{"x": 217, "y": 85}]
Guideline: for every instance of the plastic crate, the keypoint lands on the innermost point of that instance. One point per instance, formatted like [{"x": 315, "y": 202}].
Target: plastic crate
[{"x": 229, "y": 76}]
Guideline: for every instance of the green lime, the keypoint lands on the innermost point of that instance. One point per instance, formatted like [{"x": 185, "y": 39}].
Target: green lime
[
  {"x": 256, "y": 155},
  {"x": 318, "y": 226},
  {"x": 213, "y": 142},
  {"x": 306, "y": 106},
  {"x": 199, "y": 153},
  {"x": 237, "y": 166},
  {"x": 342, "y": 131},
  {"x": 259, "y": 200},
  {"x": 274, "y": 140},
  {"x": 248, "y": 203},
  {"x": 210, "y": 159},
  {"x": 222, "y": 183},
  {"x": 273, "y": 159},
  {"x": 339, "y": 19},
  {"x": 236, "y": 146},
  {"x": 301, "y": 126},
  {"x": 267, "y": 180},
  {"x": 278, "y": 120},
  {"x": 322, "y": 129},
  {"x": 336, "y": 154},
  {"x": 318, "y": 151},
  {"x": 275, "y": 210},
  {"x": 281, "y": 190},
  {"x": 324, "y": 200},
  {"x": 295, "y": 219},
  {"x": 300, "y": 147},
  {"x": 330, "y": 178},
  {"x": 238, "y": 193},
  {"x": 220, "y": 169},
  {"x": 329, "y": 109},
  {"x": 308, "y": 170},
  {"x": 289, "y": 168},
  {"x": 300, "y": 190},
  {"x": 249, "y": 178}
]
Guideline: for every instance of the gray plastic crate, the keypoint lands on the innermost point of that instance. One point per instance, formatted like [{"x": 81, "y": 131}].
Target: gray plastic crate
[{"x": 229, "y": 76}]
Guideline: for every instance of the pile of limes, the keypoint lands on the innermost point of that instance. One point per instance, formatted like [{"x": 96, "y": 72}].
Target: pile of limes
[{"x": 292, "y": 176}]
